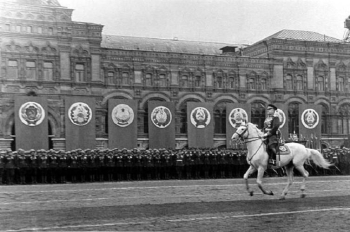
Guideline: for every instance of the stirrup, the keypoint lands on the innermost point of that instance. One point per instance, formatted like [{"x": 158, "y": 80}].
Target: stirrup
[{"x": 272, "y": 161}]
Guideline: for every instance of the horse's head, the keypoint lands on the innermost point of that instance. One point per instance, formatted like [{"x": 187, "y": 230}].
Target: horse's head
[{"x": 241, "y": 133}]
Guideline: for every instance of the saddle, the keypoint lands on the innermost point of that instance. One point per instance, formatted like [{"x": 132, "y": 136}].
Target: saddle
[{"x": 283, "y": 150}]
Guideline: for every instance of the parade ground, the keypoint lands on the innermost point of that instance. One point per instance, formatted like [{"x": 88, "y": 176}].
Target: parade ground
[{"x": 177, "y": 205}]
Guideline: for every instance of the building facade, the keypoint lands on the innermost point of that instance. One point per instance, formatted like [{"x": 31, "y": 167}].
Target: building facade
[{"x": 44, "y": 53}]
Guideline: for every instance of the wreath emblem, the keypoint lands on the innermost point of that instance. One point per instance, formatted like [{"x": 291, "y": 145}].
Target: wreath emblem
[
  {"x": 282, "y": 117},
  {"x": 31, "y": 113},
  {"x": 200, "y": 117},
  {"x": 238, "y": 117},
  {"x": 122, "y": 115},
  {"x": 161, "y": 117},
  {"x": 310, "y": 118},
  {"x": 80, "y": 114}
]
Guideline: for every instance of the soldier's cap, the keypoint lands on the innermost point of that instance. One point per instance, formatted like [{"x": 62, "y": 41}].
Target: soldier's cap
[
  {"x": 15, "y": 152},
  {"x": 32, "y": 150},
  {"x": 271, "y": 106},
  {"x": 26, "y": 152}
]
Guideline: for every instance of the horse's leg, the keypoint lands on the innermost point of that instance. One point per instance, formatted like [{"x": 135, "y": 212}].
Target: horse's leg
[
  {"x": 289, "y": 172},
  {"x": 261, "y": 171},
  {"x": 305, "y": 175},
  {"x": 250, "y": 171}
]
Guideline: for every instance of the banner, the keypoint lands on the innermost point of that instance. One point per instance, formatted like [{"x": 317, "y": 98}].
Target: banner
[
  {"x": 200, "y": 126},
  {"x": 31, "y": 124},
  {"x": 80, "y": 123},
  {"x": 122, "y": 123},
  {"x": 161, "y": 124},
  {"x": 236, "y": 115},
  {"x": 310, "y": 124}
]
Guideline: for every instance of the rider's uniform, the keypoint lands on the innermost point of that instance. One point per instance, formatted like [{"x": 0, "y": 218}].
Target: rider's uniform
[{"x": 271, "y": 125}]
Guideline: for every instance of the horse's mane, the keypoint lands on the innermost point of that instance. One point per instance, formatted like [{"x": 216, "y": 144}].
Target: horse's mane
[{"x": 260, "y": 133}]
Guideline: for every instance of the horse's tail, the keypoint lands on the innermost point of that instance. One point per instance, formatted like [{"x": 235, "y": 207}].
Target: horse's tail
[{"x": 318, "y": 159}]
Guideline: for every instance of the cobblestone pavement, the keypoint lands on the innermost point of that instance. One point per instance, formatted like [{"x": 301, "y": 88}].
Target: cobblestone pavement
[{"x": 192, "y": 205}]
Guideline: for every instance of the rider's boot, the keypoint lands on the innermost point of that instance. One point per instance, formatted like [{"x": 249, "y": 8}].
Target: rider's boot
[{"x": 272, "y": 157}]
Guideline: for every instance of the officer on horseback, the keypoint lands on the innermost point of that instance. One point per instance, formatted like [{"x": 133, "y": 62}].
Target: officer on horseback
[{"x": 271, "y": 126}]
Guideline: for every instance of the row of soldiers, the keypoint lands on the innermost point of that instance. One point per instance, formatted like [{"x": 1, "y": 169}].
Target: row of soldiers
[
  {"x": 58, "y": 166},
  {"x": 340, "y": 157}
]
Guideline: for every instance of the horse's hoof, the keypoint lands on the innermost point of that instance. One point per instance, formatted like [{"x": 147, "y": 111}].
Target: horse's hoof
[
  {"x": 251, "y": 193},
  {"x": 303, "y": 195}
]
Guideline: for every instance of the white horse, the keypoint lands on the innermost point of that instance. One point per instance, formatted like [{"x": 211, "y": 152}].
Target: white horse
[{"x": 257, "y": 158}]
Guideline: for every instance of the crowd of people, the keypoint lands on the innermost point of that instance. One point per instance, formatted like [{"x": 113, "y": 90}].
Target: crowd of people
[{"x": 58, "y": 166}]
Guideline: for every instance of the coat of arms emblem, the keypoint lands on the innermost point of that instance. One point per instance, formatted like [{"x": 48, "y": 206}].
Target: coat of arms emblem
[
  {"x": 122, "y": 115},
  {"x": 238, "y": 117},
  {"x": 31, "y": 113},
  {"x": 310, "y": 118},
  {"x": 161, "y": 117},
  {"x": 80, "y": 114},
  {"x": 200, "y": 117},
  {"x": 282, "y": 117}
]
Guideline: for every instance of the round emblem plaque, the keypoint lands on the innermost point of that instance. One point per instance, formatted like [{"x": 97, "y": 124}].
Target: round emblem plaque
[
  {"x": 161, "y": 117},
  {"x": 310, "y": 118},
  {"x": 281, "y": 115},
  {"x": 80, "y": 114},
  {"x": 200, "y": 117},
  {"x": 122, "y": 115},
  {"x": 31, "y": 113},
  {"x": 238, "y": 117}
]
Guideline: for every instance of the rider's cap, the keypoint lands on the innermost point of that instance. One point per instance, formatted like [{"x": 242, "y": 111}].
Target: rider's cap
[{"x": 272, "y": 106}]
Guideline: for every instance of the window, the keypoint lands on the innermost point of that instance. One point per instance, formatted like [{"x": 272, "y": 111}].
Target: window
[
  {"x": 48, "y": 71},
  {"x": 110, "y": 77},
  {"x": 148, "y": 79},
  {"x": 231, "y": 83},
  {"x": 125, "y": 78},
  {"x": 320, "y": 84},
  {"x": 198, "y": 81},
  {"x": 79, "y": 72},
  {"x": 30, "y": 29},
  {"x": 299, "y": 84},
  {"x": 50, "y": 30},
  {"x": 7, "y": 27},
  {"x": 263, "y": 84},
  {"x": 30, "y": 70},
  {"x": 219, "y": 82},
  {"x": 341, "y": 84},
  {"x": 40, "y": 30},
  {"x": 18, "y": 28},
  {"x": 12, "y": 71},
  {"x": 184, "y": 81},
  {"x": 251, "y": 84},
  {"x": 162, "y": 80},
  {"x": 289, "y": 83}
]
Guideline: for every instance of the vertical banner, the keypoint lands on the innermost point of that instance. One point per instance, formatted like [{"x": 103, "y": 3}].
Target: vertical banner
[
  {"x": 282, "y": 113},
  {"x": 236, "y": 115},
  {"x": 310, "y": 123},
  {"x": 122, "y": 123},
  {"x": 200, "y": 125},
  {"x": 161, "y": 124},
  {"x": 31, "y": 124},
  {"x": 80, "y": 123}
]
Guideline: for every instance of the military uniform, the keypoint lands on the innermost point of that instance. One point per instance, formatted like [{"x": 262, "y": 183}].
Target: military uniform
[{"x": 271, "y": 126}]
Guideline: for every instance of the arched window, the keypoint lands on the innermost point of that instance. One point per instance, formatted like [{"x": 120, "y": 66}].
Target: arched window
[
  {"x": 293, "y": 118},
  {"x": 125, "y": 78},
  {"x": 344, "y": 119},
  {"x": 198, "y": 81},
  {"x": 258, "y": 114},
  {"x": 324, "y": 119},
  {"x": 231, "y": 82},
  {"x": 110, "y": 77},
  {"x": 220, "y": 118},
  {"x": 219, "y": 82},
  {"x": 263, "y": 84},
  {"x": 251, "y": 84},
  {"x": 163, "y": 82}
]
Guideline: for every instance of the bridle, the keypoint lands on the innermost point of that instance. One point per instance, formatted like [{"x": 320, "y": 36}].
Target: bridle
[{"x": 246, "y": 139}]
